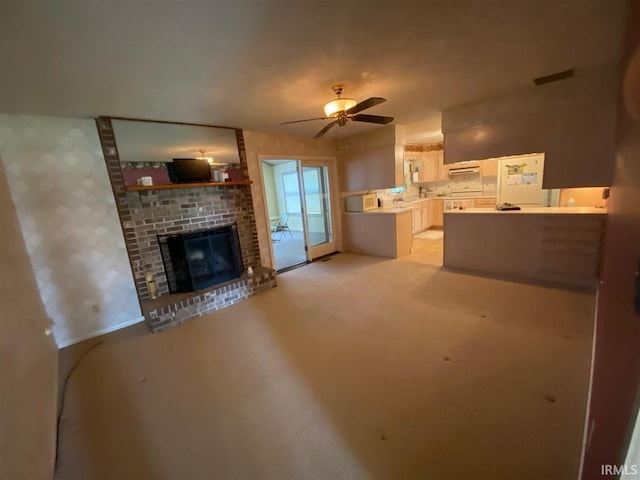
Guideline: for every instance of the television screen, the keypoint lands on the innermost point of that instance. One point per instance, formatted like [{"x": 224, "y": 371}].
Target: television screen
[{"x": 189, "y": 170}]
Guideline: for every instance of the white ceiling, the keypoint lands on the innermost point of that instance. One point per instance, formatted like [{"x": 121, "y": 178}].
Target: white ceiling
[{"x": 255, "y": 63}]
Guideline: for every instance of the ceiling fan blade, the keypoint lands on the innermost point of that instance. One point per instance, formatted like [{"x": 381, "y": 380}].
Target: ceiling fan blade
[
  {"x": 363, "y": 117},
  {"x": 306, "y": 120},
  {"x": 325, "y": 129},
  {"x": 368, "y": 103}
]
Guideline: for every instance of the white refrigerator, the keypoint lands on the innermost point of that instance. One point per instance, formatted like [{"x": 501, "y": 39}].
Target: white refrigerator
[{"x": 520, "y": 180}]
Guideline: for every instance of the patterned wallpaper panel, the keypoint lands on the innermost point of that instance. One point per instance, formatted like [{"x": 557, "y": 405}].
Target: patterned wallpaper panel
[{"x": 59, "y": 184}]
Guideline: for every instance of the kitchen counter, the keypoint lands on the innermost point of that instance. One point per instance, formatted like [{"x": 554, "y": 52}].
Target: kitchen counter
[
  {"x": 400, "y": 207},
  {"x": 393, "y": 210},
  {"x": 384, "y": 232},
  {"x": 556, "y": 244},
  {"x": 534, "y": 211}
]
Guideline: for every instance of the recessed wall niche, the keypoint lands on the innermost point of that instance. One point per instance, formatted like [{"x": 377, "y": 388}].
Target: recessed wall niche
[{"x": 154, "y": 211}]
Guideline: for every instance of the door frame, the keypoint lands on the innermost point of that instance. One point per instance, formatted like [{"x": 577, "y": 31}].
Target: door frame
[
  {"x": 334, "y": 195},
  {"x": 324, "y": 248}
]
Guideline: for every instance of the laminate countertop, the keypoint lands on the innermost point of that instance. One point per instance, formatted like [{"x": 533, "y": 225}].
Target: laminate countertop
[
  {"x": 531, "y": 211},
  {"x": 387, "y": 210}
]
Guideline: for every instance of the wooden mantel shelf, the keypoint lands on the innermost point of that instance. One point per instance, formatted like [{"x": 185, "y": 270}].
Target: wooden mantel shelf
[{"x": 170, "y": 186}]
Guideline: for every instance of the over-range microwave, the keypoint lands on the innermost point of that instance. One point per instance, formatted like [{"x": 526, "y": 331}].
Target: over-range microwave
[{"x": 362, "y": 203}]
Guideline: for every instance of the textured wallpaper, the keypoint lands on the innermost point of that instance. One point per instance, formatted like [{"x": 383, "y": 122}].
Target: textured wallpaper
[{"x": 59, "y": 184}]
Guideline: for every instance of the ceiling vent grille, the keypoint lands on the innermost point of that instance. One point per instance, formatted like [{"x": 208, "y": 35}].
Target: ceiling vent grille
[{"x": 554, "y": 77}]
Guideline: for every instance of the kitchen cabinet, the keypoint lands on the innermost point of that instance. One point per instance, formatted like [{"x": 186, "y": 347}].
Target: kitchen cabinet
[
  {"x": 430, "y": 164},
  {"x": 436, "y": 212},
  {"x": 416, "y": 220},
  {"x": 489, "y": 168},
  {"x": 421, "y": 216},
  {"x": 485, "y": 202},
  {"x": 372, "y": 168},
  {"x": 425, "y": 212}
]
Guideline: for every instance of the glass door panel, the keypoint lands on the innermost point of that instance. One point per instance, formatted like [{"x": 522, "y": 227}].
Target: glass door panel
[{"x": 317, "y": 210}]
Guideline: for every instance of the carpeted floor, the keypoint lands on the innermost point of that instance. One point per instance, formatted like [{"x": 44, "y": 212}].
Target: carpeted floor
[{"x": 354, "y": 368}]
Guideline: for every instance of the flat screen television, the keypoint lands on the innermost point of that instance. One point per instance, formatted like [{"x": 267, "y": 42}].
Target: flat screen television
[{"x": 189, "y": 170}]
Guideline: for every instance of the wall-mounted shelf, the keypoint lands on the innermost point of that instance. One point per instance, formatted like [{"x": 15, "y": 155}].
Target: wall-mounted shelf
[{"x": 171, "y": 186}]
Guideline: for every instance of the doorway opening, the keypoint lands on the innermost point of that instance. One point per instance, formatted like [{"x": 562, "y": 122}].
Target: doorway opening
[{"x": 298, "y": 203}]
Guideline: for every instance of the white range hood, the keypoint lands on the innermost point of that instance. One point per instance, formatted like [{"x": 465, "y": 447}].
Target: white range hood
[{"x": 463, "y": 171}]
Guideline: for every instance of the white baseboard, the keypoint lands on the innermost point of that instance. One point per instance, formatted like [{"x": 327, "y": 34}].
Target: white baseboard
[{"x": 110, "y": 329}]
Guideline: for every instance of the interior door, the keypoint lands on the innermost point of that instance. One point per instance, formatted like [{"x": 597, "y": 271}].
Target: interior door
[
  {"x": 316, "y": 204},
  {"x": 615, "y": 380}
]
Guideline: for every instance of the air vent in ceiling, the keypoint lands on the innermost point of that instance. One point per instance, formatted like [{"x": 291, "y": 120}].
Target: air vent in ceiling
[{"x": 554, "y": 77}]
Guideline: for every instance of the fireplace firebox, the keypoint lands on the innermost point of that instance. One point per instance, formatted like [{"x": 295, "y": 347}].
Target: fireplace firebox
[{"x": 200, "y": 259}]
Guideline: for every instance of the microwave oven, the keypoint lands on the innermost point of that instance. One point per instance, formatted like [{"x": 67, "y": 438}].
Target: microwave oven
[{"x": 362, "y": 203}]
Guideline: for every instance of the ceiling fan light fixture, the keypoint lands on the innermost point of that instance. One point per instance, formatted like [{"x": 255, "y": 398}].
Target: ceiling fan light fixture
[{"x": 338, "y": 105}]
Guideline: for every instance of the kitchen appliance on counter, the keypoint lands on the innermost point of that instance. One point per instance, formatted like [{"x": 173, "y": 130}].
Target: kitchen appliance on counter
[
  {"x": 507, "y": 206},
  {"x": 362, "y": 203}
]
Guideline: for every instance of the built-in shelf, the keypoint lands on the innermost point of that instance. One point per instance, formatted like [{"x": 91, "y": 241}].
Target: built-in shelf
[{"x": 170, "y": 186}]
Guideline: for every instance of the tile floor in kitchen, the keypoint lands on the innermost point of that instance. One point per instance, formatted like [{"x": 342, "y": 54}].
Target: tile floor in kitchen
[{"x": 427, "y": 248}]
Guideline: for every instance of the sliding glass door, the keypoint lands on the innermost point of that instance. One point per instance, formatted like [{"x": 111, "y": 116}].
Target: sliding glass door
[
  {"x": 314, "y": 178},
  {"x": 297, "y": 195}
]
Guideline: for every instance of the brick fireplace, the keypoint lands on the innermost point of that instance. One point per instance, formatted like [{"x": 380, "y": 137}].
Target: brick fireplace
[{"x": 146, "y": 214}]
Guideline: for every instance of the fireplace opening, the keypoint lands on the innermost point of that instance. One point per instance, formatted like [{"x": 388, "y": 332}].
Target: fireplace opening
[{"x": 200, "y": 259}]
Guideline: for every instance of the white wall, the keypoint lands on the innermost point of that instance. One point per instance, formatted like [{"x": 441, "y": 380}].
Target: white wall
[
  {"x": 28, "y": 369},
  {"x": 59, "y": 185}
]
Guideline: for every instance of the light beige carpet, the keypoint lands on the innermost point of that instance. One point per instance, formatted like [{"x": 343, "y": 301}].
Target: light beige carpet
[{"x": 355, "y": 368}]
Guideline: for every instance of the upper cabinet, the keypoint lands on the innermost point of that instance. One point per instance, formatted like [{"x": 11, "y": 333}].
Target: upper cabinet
[
  {"x": 427, "y": 160},
  {"x": 430, "y": 167},
  {"x": 489, "y": 168},
  {"x": 373, "y": 160},
  {"x": 373, "y": 168}
]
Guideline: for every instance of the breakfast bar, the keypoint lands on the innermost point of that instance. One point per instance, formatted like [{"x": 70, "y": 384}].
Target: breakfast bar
[
  {"x": 384, "y": 232},
  {"x": 556, "y": 244}
]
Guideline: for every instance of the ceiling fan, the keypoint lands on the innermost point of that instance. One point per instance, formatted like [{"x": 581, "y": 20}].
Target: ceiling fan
[{"x": 341, "y": 110}]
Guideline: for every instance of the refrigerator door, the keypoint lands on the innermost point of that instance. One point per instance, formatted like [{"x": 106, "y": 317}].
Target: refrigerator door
[{"x": 520, "y": 180}]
